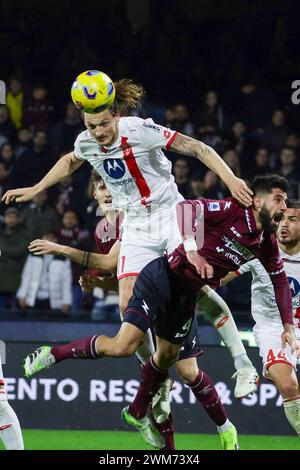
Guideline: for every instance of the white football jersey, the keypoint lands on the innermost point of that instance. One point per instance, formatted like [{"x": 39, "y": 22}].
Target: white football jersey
[
  {"x": 263, "y": 300},
  {"x": 134, "y": 168}
]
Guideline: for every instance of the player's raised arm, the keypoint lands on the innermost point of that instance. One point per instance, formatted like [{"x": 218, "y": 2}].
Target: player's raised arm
[
  {"x": 65, "y": 166},
  {"x": 89, "y": 260},
  {"x": 195, "y": 148}
]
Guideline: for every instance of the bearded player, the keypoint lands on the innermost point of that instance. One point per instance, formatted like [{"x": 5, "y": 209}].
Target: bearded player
[
  {"x": 127, "y": 153},
  {"x": 233, "y": 236},
  {"x": 106, "y": 236},
  {"x": 279, "y": 363}
]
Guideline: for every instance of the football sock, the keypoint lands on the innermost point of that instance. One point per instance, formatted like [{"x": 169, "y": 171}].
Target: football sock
[
  {"x": 205, "y": 392},
  {"x": 218, "y": 313},
  {"x": 166, "y": 429},
  {"x": 81, "y": 349},
  {"x": 292, "y": 412},
  {"x": 10, "y": 430},
  {"x": 152, "y": 378}
]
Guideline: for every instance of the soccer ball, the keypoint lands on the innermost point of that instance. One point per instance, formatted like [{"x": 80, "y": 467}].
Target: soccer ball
[{"x": 93, "y": 91}]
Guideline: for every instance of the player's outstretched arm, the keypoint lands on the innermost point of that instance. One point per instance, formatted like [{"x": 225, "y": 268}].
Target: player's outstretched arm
[
  {"x": 65, "y": 166},
  {"x": 89, "y": 260},
  {"x": 195, "y": 148}
]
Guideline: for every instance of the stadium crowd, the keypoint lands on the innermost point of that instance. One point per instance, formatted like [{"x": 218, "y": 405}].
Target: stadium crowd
[{"x": 254, "y": 137}]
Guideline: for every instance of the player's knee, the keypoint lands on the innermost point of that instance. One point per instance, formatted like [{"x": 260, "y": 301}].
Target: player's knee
[
  {"x": 187, "y": 372},
  {"x": 289, "y": 389},
  {"x": 168, "y": 356}
]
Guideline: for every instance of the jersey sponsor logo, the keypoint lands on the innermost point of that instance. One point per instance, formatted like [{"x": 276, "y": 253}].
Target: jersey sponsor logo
[
  {"x": 114, "y": 167},
  {"x": 236, "y": 233},
  {"x": 121, "y": 183},
  {"x": 235, "y": 246},
  {"x": 227, "y": 205},
  {"x": 294, "y": 286},
  {"x": 151, "y": 126},
  {"x": 213, "y": 206}
]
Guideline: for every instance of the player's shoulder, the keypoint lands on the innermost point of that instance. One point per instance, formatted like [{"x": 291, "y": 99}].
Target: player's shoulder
[
  {"x": 220, "y": 205},
  {"x": 136, "y": 123}
]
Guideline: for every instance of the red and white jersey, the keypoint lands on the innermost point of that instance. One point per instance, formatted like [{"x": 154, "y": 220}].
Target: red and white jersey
[
  {"x": 134, "y": 168},
  {"x": 263, "y": 297}
]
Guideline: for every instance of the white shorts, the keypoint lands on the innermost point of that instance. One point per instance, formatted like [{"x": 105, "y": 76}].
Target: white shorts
[
  {"x": 146, "y": 238},
  {"x": 267, "y": 333}
]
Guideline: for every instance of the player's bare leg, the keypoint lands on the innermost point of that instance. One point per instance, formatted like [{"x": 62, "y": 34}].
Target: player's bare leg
[
  {"x": 10, "y": 431},
  {"x": 218, "y": 313},
  {"x": 204, "y": 390},
  {"x": 284, "y": 377}
]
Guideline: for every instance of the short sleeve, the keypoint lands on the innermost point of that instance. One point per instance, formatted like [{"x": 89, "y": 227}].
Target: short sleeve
[
  {"x": 77, "y": 150},
  {"x": 245, "y": 268},
  {"x": 155, "y": 136}
]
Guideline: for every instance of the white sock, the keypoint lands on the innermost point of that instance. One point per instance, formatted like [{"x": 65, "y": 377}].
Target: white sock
[
  {"x": 227, "y": 425},
  {"x": 10, "y": 431},
  {"x": 218, "y": 313},
  {"x": 292, "y": 412},
  {"x": 147, "y": 349}
]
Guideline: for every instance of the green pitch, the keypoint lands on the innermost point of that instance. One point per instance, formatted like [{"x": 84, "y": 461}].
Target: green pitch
[{"x": 110, "y": 440}]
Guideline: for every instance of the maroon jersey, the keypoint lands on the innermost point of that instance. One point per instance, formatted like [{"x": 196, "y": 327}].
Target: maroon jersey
[
  {"x": 230, "y": 239},
  {"x": 106, "y": 235}
]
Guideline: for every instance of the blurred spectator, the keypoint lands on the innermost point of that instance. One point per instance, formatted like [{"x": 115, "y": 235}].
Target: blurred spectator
[
  {"x": 7, "y": 156},
  {"x": 71, "y": 234},
  {"x": 13, "y": 246},
  {"x": 181, "y": 120},
  {"x": 39, "y": 217},
  {"x": 196, "y": 186},
  {"x": 5, "y": 182},
  {"x": 64, "y": 133},
  {"x": 37, "y": 161},
  {"x": 7, "y": 129},
  {"x": 212, "y": 188},
  {"x": 39, "y": 112},
  {"x": 293, "y": 141},
  {"x": 210, "y": 120},
  {"x": 255, "y": 106},
  {"x": 261, "y": 164},
  {"x": 276, "y": 133},
  {"x": 15, "y": 101},
  {"x": 289, "y": 168},
  {"x": 232, "y": 159},
  {"x": 237, "y": 138},
  {"x": 46, "y": 282},
  {"x": 24, "y": 142},
  {"x": 181, "y": 174},
  {"x": 64, "y": 196}
]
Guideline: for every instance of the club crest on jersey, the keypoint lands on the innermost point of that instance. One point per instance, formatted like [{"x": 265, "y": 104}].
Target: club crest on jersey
[
  {"x": 114, "y": 167},
  {"x": 213, "y": 206},
  {"x": 294, "y": 286}
]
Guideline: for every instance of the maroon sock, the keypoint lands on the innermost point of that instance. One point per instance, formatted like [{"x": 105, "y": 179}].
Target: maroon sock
[
  {"x": 205, "y": 392},
  {"x": 152, "y": 378},
  {"x": 81, "y": 349},
  {"x": 166, "y": 429}
]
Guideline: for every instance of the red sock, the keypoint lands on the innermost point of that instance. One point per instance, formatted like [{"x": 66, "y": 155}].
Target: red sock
[
  {"x": 152, "y": 378},
  {"x": 205, "y": 392},
  {"x": 81, "y": 349},
  {"x": 166, "y": 429}
]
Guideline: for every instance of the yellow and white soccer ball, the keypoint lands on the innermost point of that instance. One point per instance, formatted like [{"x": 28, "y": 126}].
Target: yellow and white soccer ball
[{"x": 93, "y": 91}]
